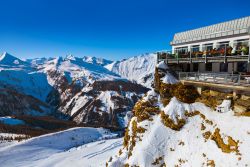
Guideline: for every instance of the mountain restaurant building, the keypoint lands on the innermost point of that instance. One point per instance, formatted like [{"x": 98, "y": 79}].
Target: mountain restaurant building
[{"x": 222, "y": 47}]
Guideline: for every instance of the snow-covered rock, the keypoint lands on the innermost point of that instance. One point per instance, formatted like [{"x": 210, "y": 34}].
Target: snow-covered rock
[
  {"x": 162, "y": 65},
  {"x": 169, "y": 79},
  {"x": 208, "y": 138}
]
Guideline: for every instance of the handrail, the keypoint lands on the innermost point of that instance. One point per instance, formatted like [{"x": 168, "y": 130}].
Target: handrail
[{"x": 225, "y": 78}]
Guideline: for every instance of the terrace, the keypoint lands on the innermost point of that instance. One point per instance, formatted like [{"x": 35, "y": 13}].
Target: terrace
[
  {"x": 236, "y": 83},
  {"x": 223, "y": 52}
]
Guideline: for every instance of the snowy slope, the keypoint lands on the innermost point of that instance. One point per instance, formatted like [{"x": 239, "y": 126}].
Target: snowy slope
[
  {"x": 94, "y": 154},
  {"x": 182, "y": 134},
  {"x": 188, "y": 147},
  {"x": 64, "y": 148},
  {"x": 19, "y": 75},
  {"x": 30, "y": 83},
  {"x": 139, "y": 69}
]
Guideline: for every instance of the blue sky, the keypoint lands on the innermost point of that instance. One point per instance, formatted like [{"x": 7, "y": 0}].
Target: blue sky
[{"x": 112, "y": 29}]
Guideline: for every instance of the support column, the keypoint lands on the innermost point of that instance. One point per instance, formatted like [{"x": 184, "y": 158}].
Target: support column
[
  {"x": 231, "y": 43},
  {"x": 173, "y": 49},
  {"x": 190, "y": 53},
  {"x": 201, "y": 49},
  {"x": 215, "y": 45},
  {"x": 248, "y": 67},
  {"x": 248, "y": 53}
]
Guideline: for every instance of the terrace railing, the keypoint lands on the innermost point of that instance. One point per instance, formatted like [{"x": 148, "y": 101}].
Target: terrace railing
[{"x": 220, "y": 78}]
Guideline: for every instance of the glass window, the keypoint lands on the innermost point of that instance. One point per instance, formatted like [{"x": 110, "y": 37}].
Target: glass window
[
  {"x": 241, "y": 47},
  {"x": 208, "y": 47},
  {"x": 244, "y": 42},
  {"x": 222, "y": 45},
  {"x": 181, "y": 50},
  {"x": 195, "y": 48}
]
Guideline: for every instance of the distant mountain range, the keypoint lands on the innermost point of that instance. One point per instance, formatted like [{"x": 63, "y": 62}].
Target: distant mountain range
[{"x": 88, "y": 90}]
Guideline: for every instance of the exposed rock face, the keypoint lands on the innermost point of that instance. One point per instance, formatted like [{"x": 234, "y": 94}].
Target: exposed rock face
[
  {"x": 90, "y": 100},
  {"x": 15, "y": 103},
  {"x": 105, "y": 103}
]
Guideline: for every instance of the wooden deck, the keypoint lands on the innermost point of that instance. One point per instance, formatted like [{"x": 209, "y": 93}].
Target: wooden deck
[{"x": 233, "y": 87}]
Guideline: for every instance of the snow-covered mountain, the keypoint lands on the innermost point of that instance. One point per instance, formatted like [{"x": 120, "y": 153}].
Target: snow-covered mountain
[
  {"x": 7, "y": 61},
  {"x": 79, "y": 88},
  {"x": 95, "y": 60},
  {"x": 174, "y": 126},
  {"x": 139, "y": 69}
]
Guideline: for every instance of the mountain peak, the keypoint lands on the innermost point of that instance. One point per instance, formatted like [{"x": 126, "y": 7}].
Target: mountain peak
[
  {"x": 5, "y": 55},
  {"x": 70, "y": 57},
  {"x": 95, "y": 60},
  {"x": 8, "y": 59}
]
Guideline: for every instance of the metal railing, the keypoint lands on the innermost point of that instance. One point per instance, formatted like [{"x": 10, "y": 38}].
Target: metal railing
[{"x": 223, "y": 78}]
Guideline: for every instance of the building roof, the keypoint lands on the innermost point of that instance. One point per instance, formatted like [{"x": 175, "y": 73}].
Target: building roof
[{"x": 233, "y": 27}]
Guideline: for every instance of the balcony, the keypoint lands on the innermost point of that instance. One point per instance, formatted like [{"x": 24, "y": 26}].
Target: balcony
[
  {"x": 238, "y": 83},
  {"x": 221, "y": 55}
]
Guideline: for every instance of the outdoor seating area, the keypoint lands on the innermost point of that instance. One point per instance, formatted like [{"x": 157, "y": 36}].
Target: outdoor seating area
[
  {"x": 240, "y": 51},
  {"x": 228, "y": 51}
]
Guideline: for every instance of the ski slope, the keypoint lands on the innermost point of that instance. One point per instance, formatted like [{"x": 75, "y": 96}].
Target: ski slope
[{"x": 88, "y": 147}]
